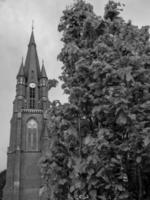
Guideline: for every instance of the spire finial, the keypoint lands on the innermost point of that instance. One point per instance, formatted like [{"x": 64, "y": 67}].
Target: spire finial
[
  {"x": 32, "y": 25},
  {"x": 42, "y": 61},
  {"x": 32, "y": 41}
]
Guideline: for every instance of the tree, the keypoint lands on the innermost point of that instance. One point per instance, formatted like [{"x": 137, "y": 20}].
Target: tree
[
  {"x": 100, "y": 140},
  {"x": 2, "y": 182}
]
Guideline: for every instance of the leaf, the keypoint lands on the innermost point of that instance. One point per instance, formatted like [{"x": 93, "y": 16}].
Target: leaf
[
  {"x": 89, "y": 140},
  {"x": 107, "y": 186},
  {"x": 42, "y": 190},
  {"x": 79, "y": 166},
  {"x": 62, "y": 181},
  {"x": 146, "y": 141},
  {"x": 78, "y": 184},
  {"x": 100, "y": 172},
  {"x": 120, "y": 187},
  {"x": 121, "y": 118},
  {"x": 91, "y": 171},
  {"x": 96, "y": 109},
  {"x": 106, "y": 179},
  {"x": 139, "y": 159},
  {"x": 129, "y": 77},
  {"x": 102, "y": 197},
  {"x": 124, "y": 147},
  {"x": 132, "y": 116},
  {"x": 125, "y": 178},
  {"x": 93, "y": 194},
  {"x": 69, "y": 164},
  {"x": 124, "y": 196},
  {"x": 114, "y": 160},
  {"x": 72, "y": 188}
]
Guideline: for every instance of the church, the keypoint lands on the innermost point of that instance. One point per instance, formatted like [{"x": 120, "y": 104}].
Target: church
[{"x": 28, "y": 134}]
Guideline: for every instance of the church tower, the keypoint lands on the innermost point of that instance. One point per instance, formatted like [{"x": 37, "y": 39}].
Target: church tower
[{"x": 28, "y": 135}]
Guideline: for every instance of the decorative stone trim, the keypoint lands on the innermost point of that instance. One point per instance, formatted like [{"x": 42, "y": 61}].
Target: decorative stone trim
[
  {"x": 32, "y": 111},
  {"x": 11, "y": 152},
  {"x": 31, "y": 151}
]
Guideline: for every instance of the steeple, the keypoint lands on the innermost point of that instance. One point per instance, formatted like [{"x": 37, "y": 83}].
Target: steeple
[
  {"x": 21, "y": 70},
  {"x": 29, "y": 136},
  {"x": 32, "y": 68},
  {"x": 32, "y": 40},
  {"x": 43, "y": 71}
]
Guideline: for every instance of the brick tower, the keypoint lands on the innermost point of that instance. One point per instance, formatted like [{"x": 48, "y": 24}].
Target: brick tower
[{"x": 28, "y": 136}]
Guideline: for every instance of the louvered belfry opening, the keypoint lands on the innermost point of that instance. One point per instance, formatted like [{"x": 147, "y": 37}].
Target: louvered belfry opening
[{"x": 32, "y": 98}]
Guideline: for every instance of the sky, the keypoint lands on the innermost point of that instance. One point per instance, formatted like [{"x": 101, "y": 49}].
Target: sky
[{"x": 15, "y": 28}]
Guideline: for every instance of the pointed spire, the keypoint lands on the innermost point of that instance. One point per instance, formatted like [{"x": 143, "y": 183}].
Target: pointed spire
[
  {"x": 43, "y": 72},
  {"x": 32, "y": 67},
  {"x": 32, "y": 40},
  {"x": 32, "y": 25},
  {"x": 21, "y": 70}
]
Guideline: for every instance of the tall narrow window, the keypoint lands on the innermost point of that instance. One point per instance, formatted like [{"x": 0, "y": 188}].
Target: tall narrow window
[
  {"x": 32, "y": 98},
  {"x": 32, "y": 136}
]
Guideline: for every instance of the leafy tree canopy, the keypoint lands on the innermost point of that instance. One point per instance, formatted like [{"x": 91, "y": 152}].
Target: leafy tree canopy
[{"x": 100, "y": 140}]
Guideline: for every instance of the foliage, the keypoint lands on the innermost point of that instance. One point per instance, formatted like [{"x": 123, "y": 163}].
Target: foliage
[
  {"x": 52, "y": 83},
  {"x": 2, "y": 182},
  {"x": 100, "y": 140}
]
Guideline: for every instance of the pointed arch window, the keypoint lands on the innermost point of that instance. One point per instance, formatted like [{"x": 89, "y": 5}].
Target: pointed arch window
[{"x": 32, "y": 135}]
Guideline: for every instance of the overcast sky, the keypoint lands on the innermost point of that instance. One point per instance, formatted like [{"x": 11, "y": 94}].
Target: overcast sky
[{"x": 15, "y": 28}]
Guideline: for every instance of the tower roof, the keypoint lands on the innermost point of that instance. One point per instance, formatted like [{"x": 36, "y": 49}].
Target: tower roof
[
  {"x": 32, "y": 40},
  {"x": 43, "y": 72},
  {"x": 32, "y": 68},
  {"x": 21, "y": 70}
]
